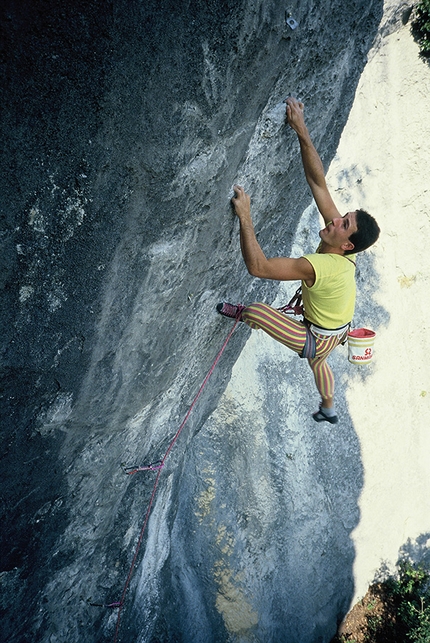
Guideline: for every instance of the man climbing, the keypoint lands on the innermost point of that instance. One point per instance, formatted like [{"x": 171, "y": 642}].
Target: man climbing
[{"x": 327, "y": 276}]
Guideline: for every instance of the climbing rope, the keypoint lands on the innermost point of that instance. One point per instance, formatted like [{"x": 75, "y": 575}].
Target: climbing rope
[{"x": 158, "y": 466}]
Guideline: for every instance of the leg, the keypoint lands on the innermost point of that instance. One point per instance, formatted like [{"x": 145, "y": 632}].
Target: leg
[
  {"x": 324, "y": 379},
  {"x": 285, "y": 330},
  {"x": 292, "y": 334}
]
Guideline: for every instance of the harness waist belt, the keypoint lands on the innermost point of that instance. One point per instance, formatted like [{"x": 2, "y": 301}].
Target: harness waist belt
[{"x": 329, "y": 332}]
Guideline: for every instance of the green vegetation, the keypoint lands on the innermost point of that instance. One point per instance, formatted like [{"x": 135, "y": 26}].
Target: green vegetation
[
  {"x": 396, "y": 610},
  {"x": 421, "y": 26},
  {"x": 411, "y": 597}
]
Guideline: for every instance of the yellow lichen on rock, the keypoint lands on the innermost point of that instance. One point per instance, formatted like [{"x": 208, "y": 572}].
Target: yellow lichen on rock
[
  {"x": 237, "y": 612},
  {"x": 231, "y": 602},
  {"x": 406, "y": 282},
  {"x": 206, "y": 497}
]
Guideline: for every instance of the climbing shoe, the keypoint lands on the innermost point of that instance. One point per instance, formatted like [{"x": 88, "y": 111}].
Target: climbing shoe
[
  {"x": 230, "y": 310},
  {"x": 320, "y": 416}
]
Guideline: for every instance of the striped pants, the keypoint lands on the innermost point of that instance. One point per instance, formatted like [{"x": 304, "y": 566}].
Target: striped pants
[{"x": 292, "y": 333}]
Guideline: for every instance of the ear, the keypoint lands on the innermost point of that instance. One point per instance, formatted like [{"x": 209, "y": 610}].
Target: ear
[{"x": 348, "y": 245}]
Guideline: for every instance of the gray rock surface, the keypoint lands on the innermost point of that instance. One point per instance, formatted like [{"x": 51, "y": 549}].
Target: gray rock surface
[{"x": 124, "y": 126}]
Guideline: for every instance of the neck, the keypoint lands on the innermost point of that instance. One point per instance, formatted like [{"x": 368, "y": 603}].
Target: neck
[{"x": 325, "y": 249}]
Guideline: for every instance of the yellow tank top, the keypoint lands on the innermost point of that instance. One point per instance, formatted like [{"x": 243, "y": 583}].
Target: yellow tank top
[{"x": 330, "y": 302}]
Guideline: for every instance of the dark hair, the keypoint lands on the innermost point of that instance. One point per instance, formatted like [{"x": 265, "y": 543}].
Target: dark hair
[{"x": 367, "y": 233}]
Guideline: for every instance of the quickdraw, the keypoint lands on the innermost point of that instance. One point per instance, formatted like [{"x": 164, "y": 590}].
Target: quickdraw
[
  {"x": 148, "y": 467},
  {"x": 295, "y": 305}
]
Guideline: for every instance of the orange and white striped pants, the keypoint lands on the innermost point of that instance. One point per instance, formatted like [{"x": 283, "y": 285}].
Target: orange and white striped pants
[{"x": 292, "y": 333}]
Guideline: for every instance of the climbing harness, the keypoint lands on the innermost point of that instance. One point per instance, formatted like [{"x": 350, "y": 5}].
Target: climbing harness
[
  {"x": 310, "y": 348},
  {"x": 360, "y": 340},
  {"x": 158, "y": 466},
  {"x": 295, "y": 307}
]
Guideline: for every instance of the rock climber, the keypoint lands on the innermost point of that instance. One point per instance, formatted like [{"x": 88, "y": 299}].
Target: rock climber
[{"x": 327, "y": 276}]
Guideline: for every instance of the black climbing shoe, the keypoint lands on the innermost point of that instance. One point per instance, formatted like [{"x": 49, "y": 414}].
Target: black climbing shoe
[
  {"x": 230, "y": 310},
  {"x": 320, "y": 416}
]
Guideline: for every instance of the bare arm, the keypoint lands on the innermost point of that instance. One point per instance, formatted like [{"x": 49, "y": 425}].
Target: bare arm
[
  {"x": 258, "y": 265},
  {"x": 312, "y": 164}
]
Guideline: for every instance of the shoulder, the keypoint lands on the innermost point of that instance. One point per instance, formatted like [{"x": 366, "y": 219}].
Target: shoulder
[
  {"x": 331, "y": 264},
  {"x": 305, "y": 265},
  {"x": 330, "y": 259}
]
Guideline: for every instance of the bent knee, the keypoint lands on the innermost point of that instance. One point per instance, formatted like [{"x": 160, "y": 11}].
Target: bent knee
[
  {"x": 256, "y": 307},
  {"x": 256, "y": 312}
]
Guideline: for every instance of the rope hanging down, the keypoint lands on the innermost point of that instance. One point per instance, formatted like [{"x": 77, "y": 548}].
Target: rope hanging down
[{"x": 158, "y": 466}]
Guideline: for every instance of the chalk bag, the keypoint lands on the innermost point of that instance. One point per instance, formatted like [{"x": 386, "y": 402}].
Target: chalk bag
[{"x": 360, "y": 345}]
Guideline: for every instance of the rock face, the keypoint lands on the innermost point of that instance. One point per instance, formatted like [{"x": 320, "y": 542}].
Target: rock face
[{"x": 124, "y": 127}]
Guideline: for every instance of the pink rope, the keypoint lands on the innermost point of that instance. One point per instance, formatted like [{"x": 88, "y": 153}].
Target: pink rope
[{"x": 120, "y": 604}]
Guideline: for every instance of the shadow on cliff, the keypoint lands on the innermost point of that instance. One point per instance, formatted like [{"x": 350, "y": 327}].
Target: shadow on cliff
[{"x": 269, "y": 499}]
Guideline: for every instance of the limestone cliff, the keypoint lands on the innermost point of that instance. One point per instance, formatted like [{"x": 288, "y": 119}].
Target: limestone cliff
[{"x": 124, "y": 126}]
